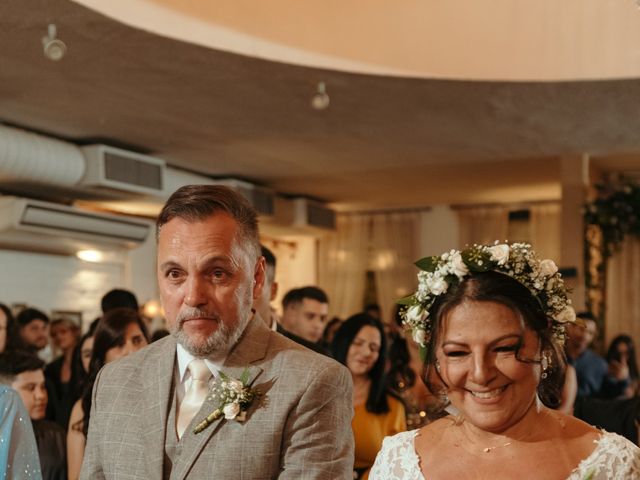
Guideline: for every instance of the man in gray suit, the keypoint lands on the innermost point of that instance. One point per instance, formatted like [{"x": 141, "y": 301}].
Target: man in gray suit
[{"x": 143, "y": 417}]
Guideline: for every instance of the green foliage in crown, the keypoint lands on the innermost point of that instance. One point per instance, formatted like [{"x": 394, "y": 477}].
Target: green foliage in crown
[{"x": 518, "y": 260}]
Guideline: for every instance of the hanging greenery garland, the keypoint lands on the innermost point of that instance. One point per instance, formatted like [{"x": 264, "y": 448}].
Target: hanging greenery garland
[
  {"x": 616, "y": 211},
  {"x": 614, "y": 214}
]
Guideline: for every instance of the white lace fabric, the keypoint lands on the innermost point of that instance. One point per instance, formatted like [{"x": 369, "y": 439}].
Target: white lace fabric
[{"x": 615, "y": 458}]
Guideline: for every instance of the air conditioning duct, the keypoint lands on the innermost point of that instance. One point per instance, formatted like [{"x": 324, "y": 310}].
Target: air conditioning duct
[
  {"x": 116, "y": 169},
  {"x": 39, "y": 226}
]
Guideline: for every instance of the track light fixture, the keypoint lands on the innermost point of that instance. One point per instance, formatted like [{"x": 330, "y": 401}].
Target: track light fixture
[
  {"x": 54, "y": 48},
  {"x": 320, "y": 101}
]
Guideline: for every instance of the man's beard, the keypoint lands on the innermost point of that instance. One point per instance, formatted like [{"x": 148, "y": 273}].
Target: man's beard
[{"x": 220, "y": 342}]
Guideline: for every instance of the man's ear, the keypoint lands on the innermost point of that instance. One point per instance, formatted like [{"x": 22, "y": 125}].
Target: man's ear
[{"x": 258, "y": 277}]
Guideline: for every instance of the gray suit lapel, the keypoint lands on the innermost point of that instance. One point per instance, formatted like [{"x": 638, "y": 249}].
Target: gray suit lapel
[
  {"x": 251, "y": 347},
  {"x": 156, "y": 394}
]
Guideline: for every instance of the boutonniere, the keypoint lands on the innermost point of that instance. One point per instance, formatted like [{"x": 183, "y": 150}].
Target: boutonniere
[{"x": 234, "y": 397}]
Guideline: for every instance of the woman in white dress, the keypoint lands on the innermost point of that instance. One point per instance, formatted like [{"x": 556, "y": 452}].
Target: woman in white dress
[{"x": 491, "y": 323}]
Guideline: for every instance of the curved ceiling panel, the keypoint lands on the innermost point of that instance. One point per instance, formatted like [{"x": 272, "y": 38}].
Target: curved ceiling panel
[{"x": 457, "y": 39}]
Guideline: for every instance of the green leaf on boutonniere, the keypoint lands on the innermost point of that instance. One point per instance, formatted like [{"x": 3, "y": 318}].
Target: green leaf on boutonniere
[
  {"x": 223, "y": 376},
  {"x": 244, "y": 378}
]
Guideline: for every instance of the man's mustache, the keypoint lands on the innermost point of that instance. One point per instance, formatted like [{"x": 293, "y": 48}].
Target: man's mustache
[{"x": 193, "y": 313}]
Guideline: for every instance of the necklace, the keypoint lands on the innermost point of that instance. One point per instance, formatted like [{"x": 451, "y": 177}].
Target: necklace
[{"x": 491, "y": 449}]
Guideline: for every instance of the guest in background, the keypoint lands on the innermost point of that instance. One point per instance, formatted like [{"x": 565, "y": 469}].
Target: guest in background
[
  {"x": 304, "y": 316},
  {"x": 18, "y": 451},
  {"x": 262, "y": 304},
  {"x": 6, "y": 325},
  {"x": 360, "y": 344},
  {"x": 33, "y": 330},
  {"x": 80, "y": 366},
  {"x": 24, "y": 372},
  {"x": 64, "y": 335},
  {"x": 622, "y": 356},
  {"x": 119, "y": 298},
  {"x": 120, "y": 332},
  {"x": 595, "y": 379},
  {"x": 373, "y": 310}
]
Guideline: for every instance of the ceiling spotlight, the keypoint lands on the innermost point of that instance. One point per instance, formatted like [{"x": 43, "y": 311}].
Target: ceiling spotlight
[
  {"x": 54, "y": 48},
  {"x": 320, "y": 100}
]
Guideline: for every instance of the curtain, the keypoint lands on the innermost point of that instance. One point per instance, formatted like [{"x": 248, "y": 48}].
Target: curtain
[
  {"x": 545, "y": 230},
  {"x": 483, "y": 225},
  {"x": 342, "y": 263},
  {"x": 395, "y": 249},
  {"x": 623, "y": 291}
]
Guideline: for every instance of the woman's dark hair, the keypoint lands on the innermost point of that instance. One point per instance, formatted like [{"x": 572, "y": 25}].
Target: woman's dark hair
[
  {"x": 377, "y": 399},
  {"x": 612, "y": 354},
  {"x": 78, "y": 375},
  {"x": 500, "y": 288},
  {"x": 400, "y": 372},
  {"x": 12, "y": 338},
  {"x": 109, "y": 333}
]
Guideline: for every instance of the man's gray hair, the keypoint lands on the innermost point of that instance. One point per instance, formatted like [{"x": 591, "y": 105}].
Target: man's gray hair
[{"x": 197, "y": 202}]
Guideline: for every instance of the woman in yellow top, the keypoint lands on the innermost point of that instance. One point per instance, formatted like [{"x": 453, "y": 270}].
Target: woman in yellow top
[{"x": 360, "y": 344}]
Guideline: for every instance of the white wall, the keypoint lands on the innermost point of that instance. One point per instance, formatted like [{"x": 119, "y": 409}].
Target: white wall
[
  {"x": 57, "y": 282},
  {"x": 51, "y": 282}
]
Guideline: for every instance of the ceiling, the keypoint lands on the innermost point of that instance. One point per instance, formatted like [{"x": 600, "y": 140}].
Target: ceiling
[{"x": 384, "y": 141}]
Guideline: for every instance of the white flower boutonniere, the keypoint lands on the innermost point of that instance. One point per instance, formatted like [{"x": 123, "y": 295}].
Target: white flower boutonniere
[{"x": 234, "y": 396}]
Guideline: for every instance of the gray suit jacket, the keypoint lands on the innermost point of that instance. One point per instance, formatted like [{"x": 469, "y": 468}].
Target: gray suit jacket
[{"x": 300, "y": 428}]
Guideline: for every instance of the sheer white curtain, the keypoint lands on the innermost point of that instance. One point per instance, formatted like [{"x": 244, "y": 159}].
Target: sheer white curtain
[
  {"x": 395, "y": 242},
  {"x": 483, "y": 224},
  {"x": 545, "y": 226},
  {"x": 343, "y": 260},
  {"x": 623, "y": 291}
]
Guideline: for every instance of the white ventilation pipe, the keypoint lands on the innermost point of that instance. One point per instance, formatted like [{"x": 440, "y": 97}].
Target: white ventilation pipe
[{"x": 29, "y": 157}]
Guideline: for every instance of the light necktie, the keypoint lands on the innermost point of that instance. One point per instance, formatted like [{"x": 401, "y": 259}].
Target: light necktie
[{"x": 195, "y": 395}]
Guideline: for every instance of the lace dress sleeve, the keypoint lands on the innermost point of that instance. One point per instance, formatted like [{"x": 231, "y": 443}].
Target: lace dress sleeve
[
  {"x": 397, "y": 460},
  {"x": 614, "y": 458}
]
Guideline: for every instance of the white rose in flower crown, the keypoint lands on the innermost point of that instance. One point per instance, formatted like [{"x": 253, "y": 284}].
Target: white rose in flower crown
[
  {"x": 438, "y": 285},
  {"x": 416, "y": 314},
  {"x": 230, "y": 410},
  {"x": 459, "y": 269},
  {"x": 499, "y": 253},
  {"x": 548, "y": 267},
  {"x": 567, "y": 315},
  {"x": 419, "y": 336}
]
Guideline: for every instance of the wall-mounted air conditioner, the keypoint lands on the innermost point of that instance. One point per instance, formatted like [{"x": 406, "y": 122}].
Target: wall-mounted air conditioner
[
  {"x": 262, "y": 199},
  {"x": 304, "y": 214},
  {"x": 33, "y": 225},
  {"x": 116, "y": 169}
]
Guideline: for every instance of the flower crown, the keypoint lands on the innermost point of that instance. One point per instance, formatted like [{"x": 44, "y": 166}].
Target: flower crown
[{"x": 517, "y": 260}]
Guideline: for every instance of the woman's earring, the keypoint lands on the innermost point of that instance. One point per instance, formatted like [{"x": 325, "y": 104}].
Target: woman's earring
[
  {"x": 545, "y": 363},
  {"x": 438, "y": 366}
]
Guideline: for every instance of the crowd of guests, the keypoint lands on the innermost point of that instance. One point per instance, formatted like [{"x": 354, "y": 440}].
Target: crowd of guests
[
  {"x": 57, "y": 395},
  {"x": 389, "y": 394}
]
